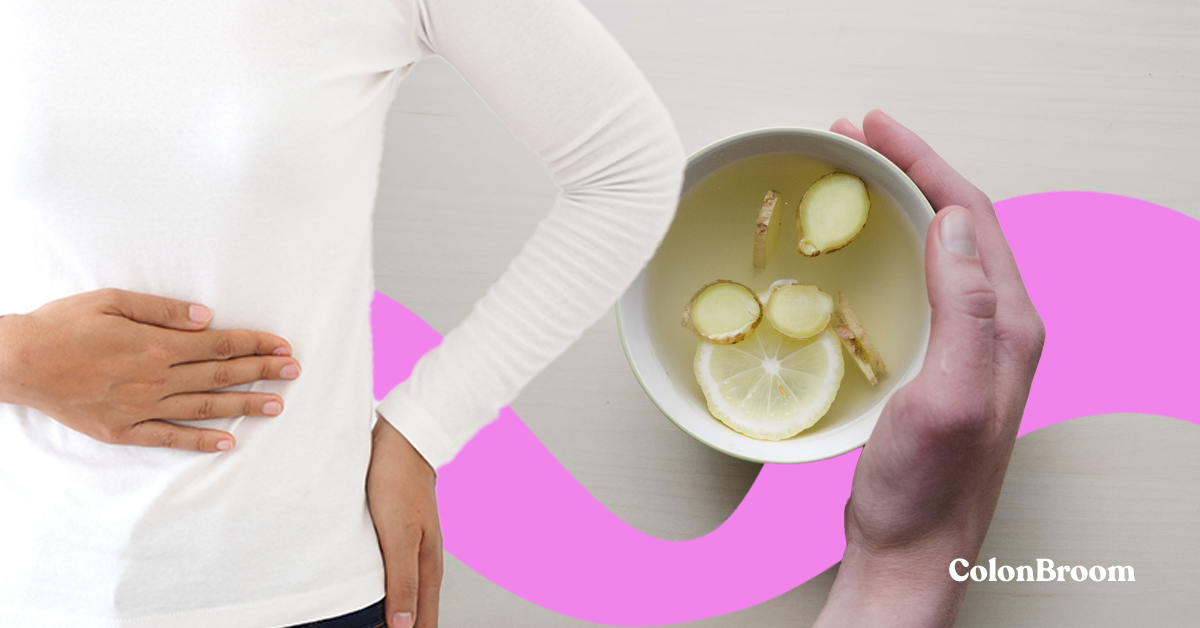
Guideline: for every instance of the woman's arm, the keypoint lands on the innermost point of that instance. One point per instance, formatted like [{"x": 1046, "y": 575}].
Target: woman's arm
[{"x": 563, "y": 85}]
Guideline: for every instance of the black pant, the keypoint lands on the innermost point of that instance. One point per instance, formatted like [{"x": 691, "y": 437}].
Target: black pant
[{"x": 369, "y": 617}]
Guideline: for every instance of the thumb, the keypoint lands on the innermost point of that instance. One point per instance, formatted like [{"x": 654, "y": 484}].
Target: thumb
[
  {"x": 156, "y": 310},
  {"x": 964, "y": 311}
]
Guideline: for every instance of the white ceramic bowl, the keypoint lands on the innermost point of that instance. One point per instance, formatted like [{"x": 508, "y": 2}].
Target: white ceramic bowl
[{"x": 674, "y": 389}]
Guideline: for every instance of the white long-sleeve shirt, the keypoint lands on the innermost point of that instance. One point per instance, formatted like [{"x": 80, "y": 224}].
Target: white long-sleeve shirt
[{"x": 227, "y": 153}]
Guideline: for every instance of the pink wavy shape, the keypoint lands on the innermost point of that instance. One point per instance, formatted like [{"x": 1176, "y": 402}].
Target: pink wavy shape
[{"x": 1099, "y": 268}]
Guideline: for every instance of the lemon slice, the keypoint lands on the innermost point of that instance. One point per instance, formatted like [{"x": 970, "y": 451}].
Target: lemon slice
[{"x": 771, "y": 386}]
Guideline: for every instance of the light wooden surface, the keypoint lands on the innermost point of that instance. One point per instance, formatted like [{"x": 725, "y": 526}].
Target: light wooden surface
[{"x": 1020, "y": 96}]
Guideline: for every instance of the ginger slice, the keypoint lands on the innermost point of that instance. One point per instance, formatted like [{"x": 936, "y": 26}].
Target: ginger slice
[
  {"x": 766, "y": 230},
  {"x": 798, "y": 310},
  {"x": 723, "y": 311},
  {"x": 860, "y": 334},
  {"x": 831, "y": 214},
  {"x": 856, "y": 352},
  {"x": 857, "y": 342}
]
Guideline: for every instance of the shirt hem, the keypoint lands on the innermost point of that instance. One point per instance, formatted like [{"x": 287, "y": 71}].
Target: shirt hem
[{"x": 287, "y": 610}]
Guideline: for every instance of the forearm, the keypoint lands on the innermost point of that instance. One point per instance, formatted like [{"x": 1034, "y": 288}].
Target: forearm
[{"x": 579, "y": 260}]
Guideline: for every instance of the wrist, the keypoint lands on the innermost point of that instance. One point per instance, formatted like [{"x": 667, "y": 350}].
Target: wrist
[
  {"x": 897, "y": 587},
  {"x": 390, "y": 441},
  {"x": 12, "y": 355}
]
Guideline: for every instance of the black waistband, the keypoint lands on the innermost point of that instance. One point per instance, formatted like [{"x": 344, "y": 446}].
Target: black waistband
[{"x": 365, "y": 618}]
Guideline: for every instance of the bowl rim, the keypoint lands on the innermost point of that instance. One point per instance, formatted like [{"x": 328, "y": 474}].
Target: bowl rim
[{"x": 697, "y": 156}]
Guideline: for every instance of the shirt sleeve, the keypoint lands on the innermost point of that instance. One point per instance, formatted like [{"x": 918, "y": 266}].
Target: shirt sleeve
[{"x": 563, "y": 85}]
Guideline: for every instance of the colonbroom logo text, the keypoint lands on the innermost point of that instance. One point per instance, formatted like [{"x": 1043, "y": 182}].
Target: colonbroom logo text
[{"x": 1045, "y": 571}]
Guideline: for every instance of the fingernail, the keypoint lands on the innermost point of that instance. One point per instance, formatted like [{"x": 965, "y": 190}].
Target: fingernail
[
  {"x": 272, "y": 407},
  {"x": 402, "y": 620},
  {"x": 198, "y": 313},
  {"x": 958, "y": 232},
  {"x": 291, "y": 371},
  {"x": 224, "y": 445},
  {"x": 281, "y": 351}
]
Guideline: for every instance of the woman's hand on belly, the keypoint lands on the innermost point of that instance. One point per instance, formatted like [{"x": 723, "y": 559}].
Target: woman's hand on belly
[
  {"x": 403, "y": 500},
  {"x": 112, "y": 364}
]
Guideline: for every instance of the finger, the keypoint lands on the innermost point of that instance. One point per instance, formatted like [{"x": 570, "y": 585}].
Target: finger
[
  {"x": 430, "y": 584},
  {"x": 211, "y": 344},
  {"x": 155, "y": 433},
  {"x": 940, "y": 183},
  {"x": 845, "y": 127},
  {"x": 402, "y": 579},
  {"x": 962, "y": 337},
  {"x": 155, "y": 310},
  {"x": 218, "y": 374},
  {"x": 944, "y": 186},
  {"x": 1019, "y": 329},
  {"x": 225, "y": 405}
]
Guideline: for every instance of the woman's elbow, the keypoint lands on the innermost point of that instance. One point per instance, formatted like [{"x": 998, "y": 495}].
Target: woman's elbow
[
  {"x": 628, "y": 175},
  {"x": 656, "y": 173},
  {"x": 667, "y": 180}
]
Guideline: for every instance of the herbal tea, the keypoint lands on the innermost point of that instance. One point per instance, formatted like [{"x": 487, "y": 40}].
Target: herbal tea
[{"x": 881, "y": 272}]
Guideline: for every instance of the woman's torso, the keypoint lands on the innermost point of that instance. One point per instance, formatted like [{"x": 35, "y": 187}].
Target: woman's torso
[{"x": 227, "y": 154}]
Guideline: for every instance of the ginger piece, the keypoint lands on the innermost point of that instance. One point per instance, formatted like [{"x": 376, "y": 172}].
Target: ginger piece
[
  {"x": 854, "y": 338},
  {"x": 831, "y": 214},
  {"x": 856, "y": 352},
  {"x": 723, "y": 312},
  {"x": 766, "y": 230},
  {"x": 860, "y": 334},
  {"x": 798, "y": 310}
]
